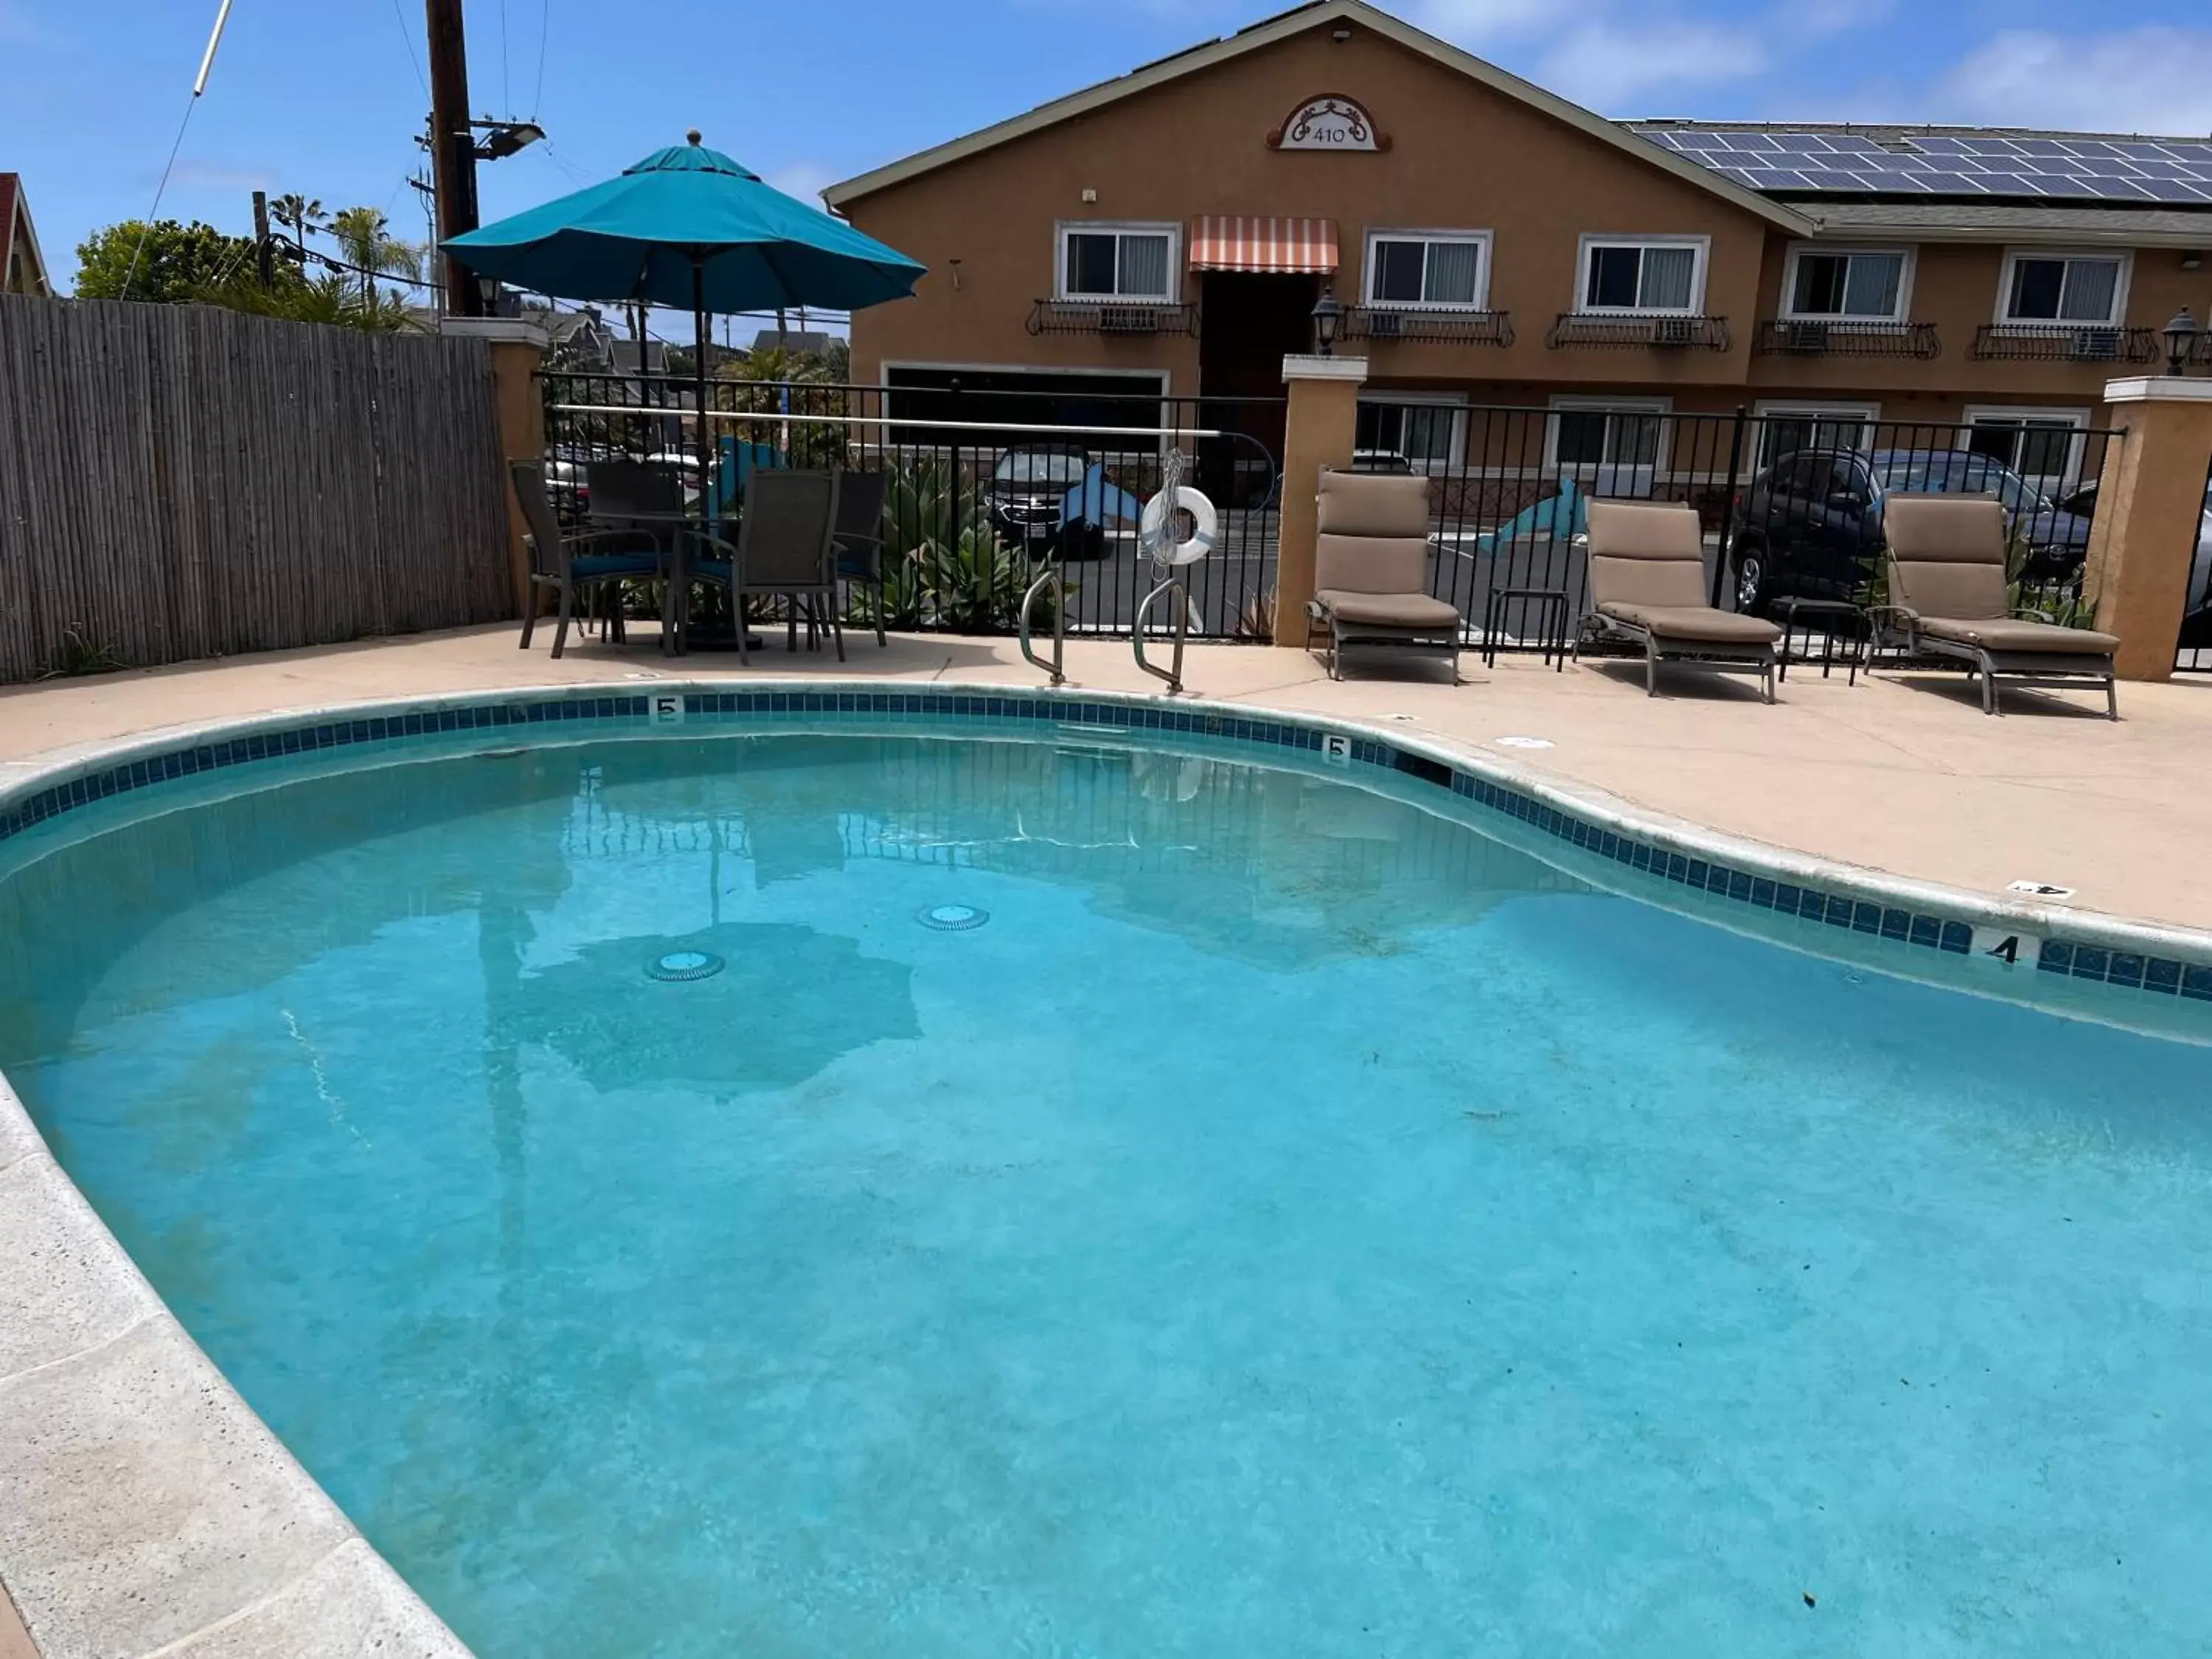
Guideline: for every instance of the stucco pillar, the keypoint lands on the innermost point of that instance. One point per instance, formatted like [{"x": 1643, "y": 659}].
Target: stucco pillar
[
  {"x": 2150, "y": 502},
  {"x": 517, "y": 348},
  {"x": 1318, "y": 430}
]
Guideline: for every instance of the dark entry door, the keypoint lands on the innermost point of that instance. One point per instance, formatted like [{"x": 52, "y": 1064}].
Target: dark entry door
[{"x": 1247, "y": 322}]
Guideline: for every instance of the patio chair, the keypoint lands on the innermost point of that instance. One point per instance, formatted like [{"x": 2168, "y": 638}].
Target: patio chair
[
  {"x": 1370, "y": 570},
  {"x": 1949, "y": 598},
  {"x": 859, "y": 535},
  {"x": 784, "y": 549},
  {"x": 571, "y": 565},
  {"x": 1647, "y": 584}
]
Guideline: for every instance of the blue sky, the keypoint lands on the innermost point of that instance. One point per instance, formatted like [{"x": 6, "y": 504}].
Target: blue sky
[{"x": 323, "y": 96}]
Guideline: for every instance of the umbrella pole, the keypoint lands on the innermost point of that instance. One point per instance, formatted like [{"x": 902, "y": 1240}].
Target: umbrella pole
[
  {"x": 708, "y": 480},
  {"x": 699, "y": 375}
]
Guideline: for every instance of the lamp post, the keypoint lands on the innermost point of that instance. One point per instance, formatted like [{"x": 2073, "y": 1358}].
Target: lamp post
[
  {"x": 1327, "y": 322},
  {"x": 2180, "y": 340}
]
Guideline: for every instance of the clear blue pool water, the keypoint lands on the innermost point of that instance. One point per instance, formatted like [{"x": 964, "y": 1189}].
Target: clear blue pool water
[{"x": 1287, "y": 1223}]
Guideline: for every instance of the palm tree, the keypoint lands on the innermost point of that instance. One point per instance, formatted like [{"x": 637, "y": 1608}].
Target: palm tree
[
  {"x": 366, "y": 241},
  {"x": 298, "y": 215}
]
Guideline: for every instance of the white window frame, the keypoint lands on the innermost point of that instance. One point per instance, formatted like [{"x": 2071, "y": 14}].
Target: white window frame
[
  {"x": 2075, "y": 418},
  {"x": 1370, "y": 267},
  {"x": 1701, "y": 246},
  {"x": 1170, "y": 228},
  {"x": 2013, "y": 255},
  {"x": 1566, "y": 402},
  {"x": 1787, "y": 309},
  {"x": 1868, "y": 415},
  {"x": 1455, "y": 460}
]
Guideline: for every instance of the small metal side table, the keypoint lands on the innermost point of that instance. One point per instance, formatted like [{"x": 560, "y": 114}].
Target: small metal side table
[
  {"x": 1555, "y": 606},
  {"x": 1787, "y": 610}
]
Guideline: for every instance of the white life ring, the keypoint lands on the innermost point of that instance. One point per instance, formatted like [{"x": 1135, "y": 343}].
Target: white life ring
[{"x": 1206, "y": 526}]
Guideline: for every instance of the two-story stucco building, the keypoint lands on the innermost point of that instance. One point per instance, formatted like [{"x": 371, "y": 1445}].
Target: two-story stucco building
[{"x": 1173, "y": 229}]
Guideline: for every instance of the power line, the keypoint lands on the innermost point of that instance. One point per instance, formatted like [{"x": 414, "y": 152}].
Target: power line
[
  {"x": 408, "y": 36},
  {"x": 545, "y": 25},
  {"x": 160, "y": 189},
  {"x": 505, "y": 88}
]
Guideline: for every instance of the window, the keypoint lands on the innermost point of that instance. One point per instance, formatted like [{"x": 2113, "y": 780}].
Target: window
[
  {"x": 2042, "y": 446},
  {"x": 1643, "y": 274},
  {"x": 1118, "y": 262},
  {"x": 1610, "y": 438},
  {"x": 1425, "y": 430},
  {"x": 2085, "y": 289},
  {"x": 1861, "y": 282},
  {"x": 1429, "y": 268},
  {"x": 1786, "y": 428}
]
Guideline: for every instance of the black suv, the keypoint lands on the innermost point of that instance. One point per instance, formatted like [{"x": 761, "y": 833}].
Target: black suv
[
  {"x": 1809, "y": 526},
  {"x": 1028, "y": 490}
]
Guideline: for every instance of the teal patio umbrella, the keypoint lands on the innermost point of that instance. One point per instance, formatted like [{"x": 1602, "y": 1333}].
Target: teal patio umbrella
[{"x": 688, "y": 226}]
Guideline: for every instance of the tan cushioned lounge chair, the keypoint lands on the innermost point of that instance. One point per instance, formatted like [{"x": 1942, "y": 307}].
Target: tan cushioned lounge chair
[
  {"x": 1371, "y": 568},
  {"x": 1948, "y": 597},
  {"x": 1647, "y": 579}
]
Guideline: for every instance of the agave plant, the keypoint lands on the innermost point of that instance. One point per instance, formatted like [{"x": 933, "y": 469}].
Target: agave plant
[{"x": 945, "y": 566}]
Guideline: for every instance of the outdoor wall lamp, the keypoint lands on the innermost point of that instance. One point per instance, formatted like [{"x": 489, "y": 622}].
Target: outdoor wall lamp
[
  {"x": 1327, "y": 321},
  {"x": 2180, "y": 340}
]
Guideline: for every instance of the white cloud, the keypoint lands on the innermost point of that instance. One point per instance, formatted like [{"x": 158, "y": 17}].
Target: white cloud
[
  {"x": 803, "y": 180},
  {"x": 210, "y": 175},
  {"x": 1471, "y": 22},
  {"x": 1609, "y": 65},
  {"x": 2157, "y": 79}
]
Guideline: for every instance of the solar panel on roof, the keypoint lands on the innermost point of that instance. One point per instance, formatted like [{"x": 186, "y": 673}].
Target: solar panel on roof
[
  {"x": 1978, "y": 165},
  {"x": 2111, "y": 184}
]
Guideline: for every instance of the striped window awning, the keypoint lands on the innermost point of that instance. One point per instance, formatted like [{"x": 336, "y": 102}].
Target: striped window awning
[{"x": 1238, "y": 242}]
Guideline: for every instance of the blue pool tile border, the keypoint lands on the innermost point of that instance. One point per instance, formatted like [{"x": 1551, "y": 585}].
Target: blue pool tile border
[{"x": 1751, "y": 889}]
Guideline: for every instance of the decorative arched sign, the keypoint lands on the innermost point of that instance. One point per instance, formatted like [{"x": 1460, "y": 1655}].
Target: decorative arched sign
[{"x": 1330, "y": 121}]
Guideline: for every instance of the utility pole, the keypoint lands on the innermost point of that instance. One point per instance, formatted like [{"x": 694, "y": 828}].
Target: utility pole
[
  {"x": 265, "y": 255},
  {"x": 452, "y": 148}
]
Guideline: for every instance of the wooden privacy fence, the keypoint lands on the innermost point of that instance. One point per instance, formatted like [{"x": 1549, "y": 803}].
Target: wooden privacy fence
[{"x": 182, "y": 481}]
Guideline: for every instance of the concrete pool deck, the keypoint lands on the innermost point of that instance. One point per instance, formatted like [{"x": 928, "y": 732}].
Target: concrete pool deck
[{"x": 1900, "y": 773}]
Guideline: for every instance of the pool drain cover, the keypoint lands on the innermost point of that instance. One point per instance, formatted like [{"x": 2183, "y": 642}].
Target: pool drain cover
[
  {"x": 680, "y": 965},
  {"x": 951, "y": 918}
]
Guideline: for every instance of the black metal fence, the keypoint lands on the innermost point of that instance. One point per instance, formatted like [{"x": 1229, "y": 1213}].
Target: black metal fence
[
  {"x": 2192, "y": 653},
  {"x": 987, "y": 480},
  {"x": 1790, "y": 504},
  {"x": 986, "y": 483}
]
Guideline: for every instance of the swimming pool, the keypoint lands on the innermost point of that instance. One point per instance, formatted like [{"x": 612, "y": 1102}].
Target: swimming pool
[{"x": 955, "y": 1192}]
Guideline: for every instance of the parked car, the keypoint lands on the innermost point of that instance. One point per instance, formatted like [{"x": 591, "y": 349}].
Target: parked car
[
  {"x": 1028, "y": 486},
  {"x": 566, "y": 482},
  {"x": 1809, "y": 526},
  {"x": 2197, "y": 616}
]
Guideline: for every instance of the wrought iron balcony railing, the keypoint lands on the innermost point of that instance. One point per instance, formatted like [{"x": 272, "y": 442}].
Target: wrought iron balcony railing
[
  {"x": 1576, "y": 328},
  {"x": 2065, "y": 343},
  {"x": 1111, "y": 316},
  {"x": 1378, "y": 323},
  {"x": 1847, "y": 336}
]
